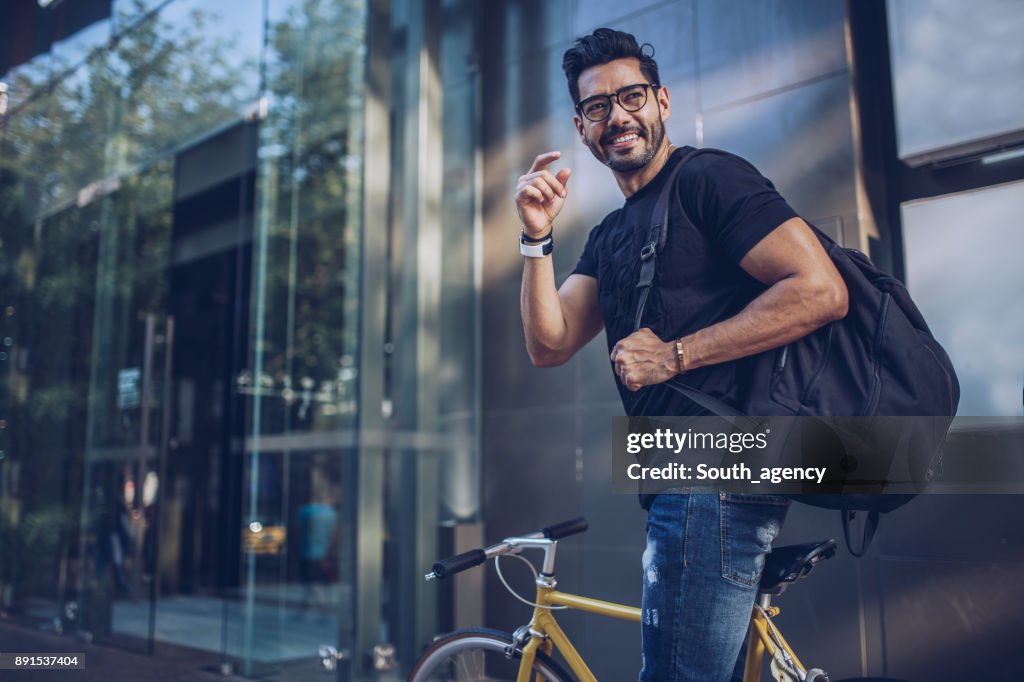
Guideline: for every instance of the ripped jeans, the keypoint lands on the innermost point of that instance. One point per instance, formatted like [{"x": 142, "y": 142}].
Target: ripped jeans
[{"x": 705, "y": 552}]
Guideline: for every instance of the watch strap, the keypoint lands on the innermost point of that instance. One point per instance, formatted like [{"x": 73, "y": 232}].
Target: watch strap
[
  {"x": 534, "y": 240},
  {"x": 536, "y": 250}
]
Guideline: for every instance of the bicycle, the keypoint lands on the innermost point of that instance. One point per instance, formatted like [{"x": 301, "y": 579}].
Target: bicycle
[{"x": 527, "y": 654}]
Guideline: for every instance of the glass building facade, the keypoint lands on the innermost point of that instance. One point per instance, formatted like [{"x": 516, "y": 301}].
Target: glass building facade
[
  {"x": 205, "y": 438},
  {"x": 261, "y": 359}
]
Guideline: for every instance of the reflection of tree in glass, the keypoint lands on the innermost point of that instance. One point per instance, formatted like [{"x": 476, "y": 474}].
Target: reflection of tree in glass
[
  {"x": 311, "y": 187},
  {"x": 84, "y": 171},
  {"x": 157, "y": 87}
]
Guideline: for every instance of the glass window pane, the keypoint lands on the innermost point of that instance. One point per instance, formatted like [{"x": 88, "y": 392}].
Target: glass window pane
[
  {"x": 70, "y": 52},
  {"x": 958, "y": 71},
  {"x": 187, "y": 70},
  {"x": 306, "y": 307},
  {"x": 311, "y": 194},
  {"x": 47, "y": 269},
  {"x": 963, "y": 269}
]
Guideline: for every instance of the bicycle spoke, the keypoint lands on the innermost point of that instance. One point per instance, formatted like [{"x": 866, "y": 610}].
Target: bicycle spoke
[{"x": 461, "y": 662}]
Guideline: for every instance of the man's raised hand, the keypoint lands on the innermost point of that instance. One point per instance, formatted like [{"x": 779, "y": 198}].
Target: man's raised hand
[{"x": 540, "y": 194}]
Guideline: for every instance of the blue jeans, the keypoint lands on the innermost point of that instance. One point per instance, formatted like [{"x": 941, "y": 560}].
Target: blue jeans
[{"x": 703, "y": 561}]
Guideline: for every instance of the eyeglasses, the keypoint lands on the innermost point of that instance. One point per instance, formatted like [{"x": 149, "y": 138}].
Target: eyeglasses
[{"x": 630, "y": 98}]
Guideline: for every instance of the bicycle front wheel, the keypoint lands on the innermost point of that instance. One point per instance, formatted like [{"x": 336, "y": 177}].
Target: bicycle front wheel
[{"x": 479, "y": 656}]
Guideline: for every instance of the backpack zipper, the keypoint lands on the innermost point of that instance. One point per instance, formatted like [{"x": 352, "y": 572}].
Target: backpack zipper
[{"x": 876, "y": 390}]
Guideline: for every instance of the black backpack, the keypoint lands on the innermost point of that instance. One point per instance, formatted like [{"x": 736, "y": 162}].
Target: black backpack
[{"x": 879, "y": 360}]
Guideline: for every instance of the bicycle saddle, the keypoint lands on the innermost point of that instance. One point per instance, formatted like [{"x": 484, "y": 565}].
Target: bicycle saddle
[{"x": 785, "y": 565}]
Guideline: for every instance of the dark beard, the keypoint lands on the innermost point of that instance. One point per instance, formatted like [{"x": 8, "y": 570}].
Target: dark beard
[{"x": 657, "y": 135}]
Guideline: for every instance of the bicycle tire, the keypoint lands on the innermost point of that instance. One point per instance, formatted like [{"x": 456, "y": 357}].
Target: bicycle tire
[{"x": 478, "y": 655}]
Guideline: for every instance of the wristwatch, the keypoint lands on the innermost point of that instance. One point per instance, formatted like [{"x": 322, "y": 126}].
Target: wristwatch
[{"x": 535, "y": 248}]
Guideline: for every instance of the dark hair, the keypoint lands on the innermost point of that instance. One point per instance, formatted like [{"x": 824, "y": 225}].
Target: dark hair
[{"x": 600, "y": 47}]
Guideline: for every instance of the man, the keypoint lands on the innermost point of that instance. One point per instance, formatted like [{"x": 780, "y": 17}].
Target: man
[{"x": 744, "y": 274}]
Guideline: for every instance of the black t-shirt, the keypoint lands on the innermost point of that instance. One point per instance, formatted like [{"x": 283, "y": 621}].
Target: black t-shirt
[{"x": 729, "y": 208}]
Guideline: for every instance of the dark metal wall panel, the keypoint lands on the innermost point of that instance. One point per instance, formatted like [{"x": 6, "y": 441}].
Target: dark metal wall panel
[
  {"x": 597, "y": 386},
  {"x": 612, "y": 547},
  {"x": 528, "y": 482},
  {"x": 752, "y": 48},
  {"x": 521, "y": 472},
  {"x": 588, "y": 15},
  {"x": 613, "y": 574},
  {"x": 617, "y": 520},
  {"x": 957, "y": 528},
  {"x": 950, "y": 569},
  {"x": 799, "y": 138},
  {"x": 951, "y": 620},
  {"x": 510, "y": 383}
]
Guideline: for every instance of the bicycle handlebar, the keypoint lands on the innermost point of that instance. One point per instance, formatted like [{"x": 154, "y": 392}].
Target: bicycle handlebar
[
  {"x": 458, "y": 563},
  {"x": 474, "y": 557},
  {"x": 565, "y": 528}
]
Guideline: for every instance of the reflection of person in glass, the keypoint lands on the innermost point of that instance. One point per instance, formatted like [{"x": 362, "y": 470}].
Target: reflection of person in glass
[
  {"x": 315, "y": 523},
  {"x": 114, "y": 536},
  {"x": 744, "y": 275}
]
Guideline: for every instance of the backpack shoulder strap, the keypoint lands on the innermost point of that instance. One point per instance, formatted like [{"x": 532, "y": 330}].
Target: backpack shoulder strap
[{"x": 657, "y": 235}]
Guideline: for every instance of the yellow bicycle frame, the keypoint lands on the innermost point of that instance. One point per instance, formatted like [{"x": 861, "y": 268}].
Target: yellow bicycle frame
[
  {"x": 546, "y": 632},
  {"x": 547, "y": 635}
]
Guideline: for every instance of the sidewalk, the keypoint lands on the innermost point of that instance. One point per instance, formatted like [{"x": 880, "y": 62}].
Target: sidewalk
[{"x": 105, "y": 663}]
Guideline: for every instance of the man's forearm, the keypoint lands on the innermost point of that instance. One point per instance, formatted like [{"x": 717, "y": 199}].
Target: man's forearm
[
  {"x": 541, "y": 307},
  {"x": 785, "y": 312}
]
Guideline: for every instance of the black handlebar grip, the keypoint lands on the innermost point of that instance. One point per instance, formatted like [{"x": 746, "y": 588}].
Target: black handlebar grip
[
  {"x": 565, "y": 528},
  {"x": 459, "y": 562}
]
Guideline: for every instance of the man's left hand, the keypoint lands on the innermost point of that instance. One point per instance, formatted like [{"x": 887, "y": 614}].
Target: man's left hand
[{"x": 642, "y": 359}]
